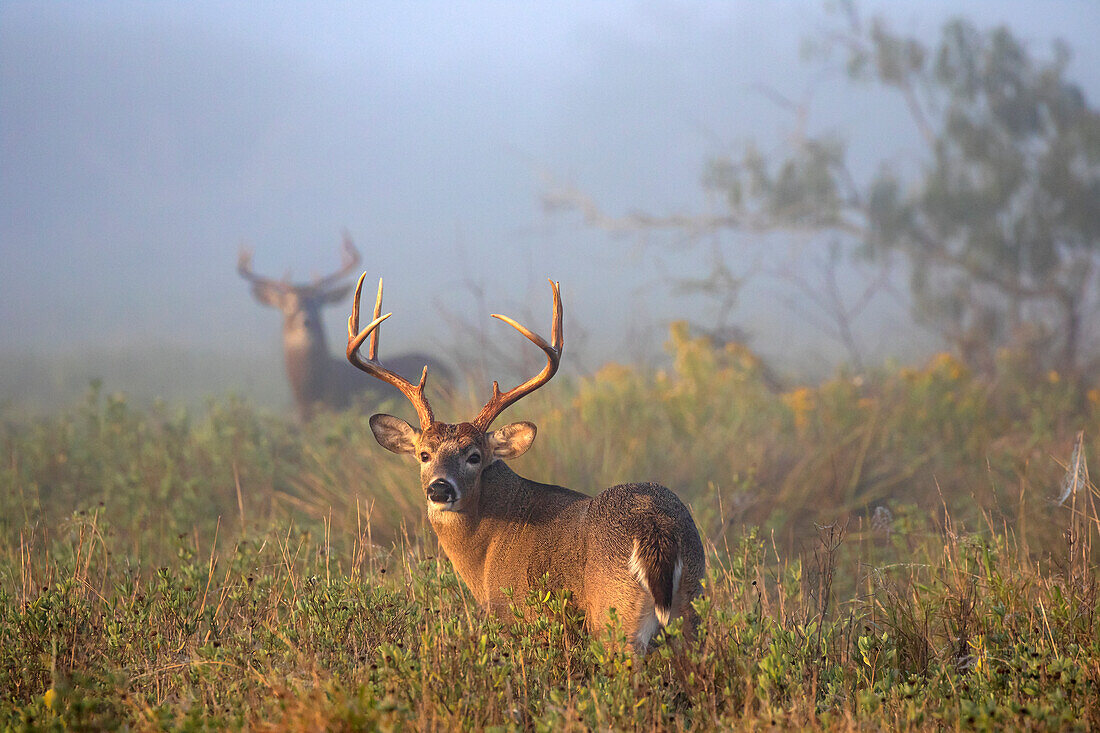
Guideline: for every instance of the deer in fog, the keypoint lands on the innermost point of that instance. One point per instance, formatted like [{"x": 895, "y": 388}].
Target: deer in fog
[
  {"x": 633, "y": 548},
  {"x": 315, "y": 376}
]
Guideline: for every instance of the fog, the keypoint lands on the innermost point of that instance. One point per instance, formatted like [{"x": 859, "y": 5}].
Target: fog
[{"x": 141, "y": 144}]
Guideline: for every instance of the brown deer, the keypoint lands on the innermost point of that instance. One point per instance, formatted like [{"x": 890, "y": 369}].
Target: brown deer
[
  {"x": 633, "y": 548},
  {"x": 315, "y": 376}
]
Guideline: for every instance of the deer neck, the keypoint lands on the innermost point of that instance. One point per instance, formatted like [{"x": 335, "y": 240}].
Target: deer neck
[
  {"x": 519, "y": 528},
  {"x": 467, "y": 537},
  {"x": 306, "y": 355}
]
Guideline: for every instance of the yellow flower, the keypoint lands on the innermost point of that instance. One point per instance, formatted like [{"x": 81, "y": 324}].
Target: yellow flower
[
  {"x": 978, "y": 646},
  {"x": 1053, "y": 377},
  {"x": 947, "y": 364},
  {"x": 613, "y": 372},
  {"x": 801, "y": 402},
  {"x": 743, "y": 355},
  {"x": 50, "y": 698}
]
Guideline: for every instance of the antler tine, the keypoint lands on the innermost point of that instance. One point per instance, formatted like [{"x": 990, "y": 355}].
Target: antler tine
[
  {"x": 500, "y": 402},
  {"x": 371, "y": 365},
  {"x": 349, "y": 258},
  {"x": 372, "y": 350},
  {"x": 244, "y": 266},
  {"x": 259, "y": 282},
  {"x": 351, "y": 254}
]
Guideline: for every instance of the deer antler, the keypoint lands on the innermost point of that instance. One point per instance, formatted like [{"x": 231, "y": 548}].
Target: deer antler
[
  {"x": 499, "y": 402},
  {"x": 244, "y": 268},
  {"x": 349, "y": 258},
  {"x": 372, "y": 366}
]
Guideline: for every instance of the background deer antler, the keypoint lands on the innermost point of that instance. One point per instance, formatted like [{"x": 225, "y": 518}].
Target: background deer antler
[
  {"x": 349, "y": 258},
  {"x": 244, "y": 268}
]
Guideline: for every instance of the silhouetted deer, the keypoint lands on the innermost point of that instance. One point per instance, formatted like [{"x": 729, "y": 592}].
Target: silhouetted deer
[{"x": 315, "y": 376}]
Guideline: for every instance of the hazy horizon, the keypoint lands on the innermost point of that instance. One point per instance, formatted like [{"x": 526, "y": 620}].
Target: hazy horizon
[{"x": 143, "y": 144}]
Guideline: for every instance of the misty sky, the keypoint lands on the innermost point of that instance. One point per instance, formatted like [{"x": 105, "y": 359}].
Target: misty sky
[{"x": 142, "y": 143}]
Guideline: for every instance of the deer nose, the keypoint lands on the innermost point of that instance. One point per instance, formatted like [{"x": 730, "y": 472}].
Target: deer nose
[{"x": 441, "y": 491}]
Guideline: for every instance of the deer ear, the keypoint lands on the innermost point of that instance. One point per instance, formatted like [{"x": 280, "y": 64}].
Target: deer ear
[
  {"x": 268, "y": 294},
  {"x": 394, "y": 434},
  {"x": 512, "y": 441}
]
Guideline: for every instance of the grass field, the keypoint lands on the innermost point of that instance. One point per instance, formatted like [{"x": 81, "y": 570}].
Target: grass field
[{"x": 885, "y": 552}]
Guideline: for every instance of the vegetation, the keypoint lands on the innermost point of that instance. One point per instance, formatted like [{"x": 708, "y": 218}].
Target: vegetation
[
  {"x": 904, "y": 550},
  {"x": 991, "y": 214}
]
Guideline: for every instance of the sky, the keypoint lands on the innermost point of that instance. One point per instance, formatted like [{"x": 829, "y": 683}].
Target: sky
[{"x": 142, "y": 144}]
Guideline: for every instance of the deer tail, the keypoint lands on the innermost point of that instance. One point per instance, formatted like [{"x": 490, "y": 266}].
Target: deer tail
[{"x": 655, "y": 562}]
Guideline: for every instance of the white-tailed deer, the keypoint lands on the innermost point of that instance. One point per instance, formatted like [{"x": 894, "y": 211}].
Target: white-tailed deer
[
  {"x": 633, "y": 548},
  {"x": 315, "y": 376}
]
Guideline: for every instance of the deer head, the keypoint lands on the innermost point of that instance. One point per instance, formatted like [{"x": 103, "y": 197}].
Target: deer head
[
  {"x": 301, "y": 304},
  {"x": 452, "y": 457}
]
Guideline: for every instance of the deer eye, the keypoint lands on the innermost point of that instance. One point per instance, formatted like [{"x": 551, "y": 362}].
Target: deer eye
[
  {"x": 473, "y": 459},
  {"x": 424, "y": 457}
]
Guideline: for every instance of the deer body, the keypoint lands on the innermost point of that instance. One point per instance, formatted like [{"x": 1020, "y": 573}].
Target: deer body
[
  {"x": 314, "y": 375},
  {"x": 633, "y": 548},
  {"x": 594, "y": 547}
]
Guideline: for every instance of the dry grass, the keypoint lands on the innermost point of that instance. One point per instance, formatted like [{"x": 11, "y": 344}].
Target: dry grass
[{"x": 913, "y": 550}]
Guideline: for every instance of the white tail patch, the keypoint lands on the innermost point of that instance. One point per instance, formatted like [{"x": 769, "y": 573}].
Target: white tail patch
[
  {"x": 636, "y": 568},
  {"x": 663, "y": 615}
]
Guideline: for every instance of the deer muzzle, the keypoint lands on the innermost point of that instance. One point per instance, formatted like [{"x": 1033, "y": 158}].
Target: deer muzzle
[{"x": 442, "y": 491}]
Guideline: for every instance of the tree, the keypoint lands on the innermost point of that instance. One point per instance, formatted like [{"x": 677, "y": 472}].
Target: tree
[{"x": 999, "y": 227}]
